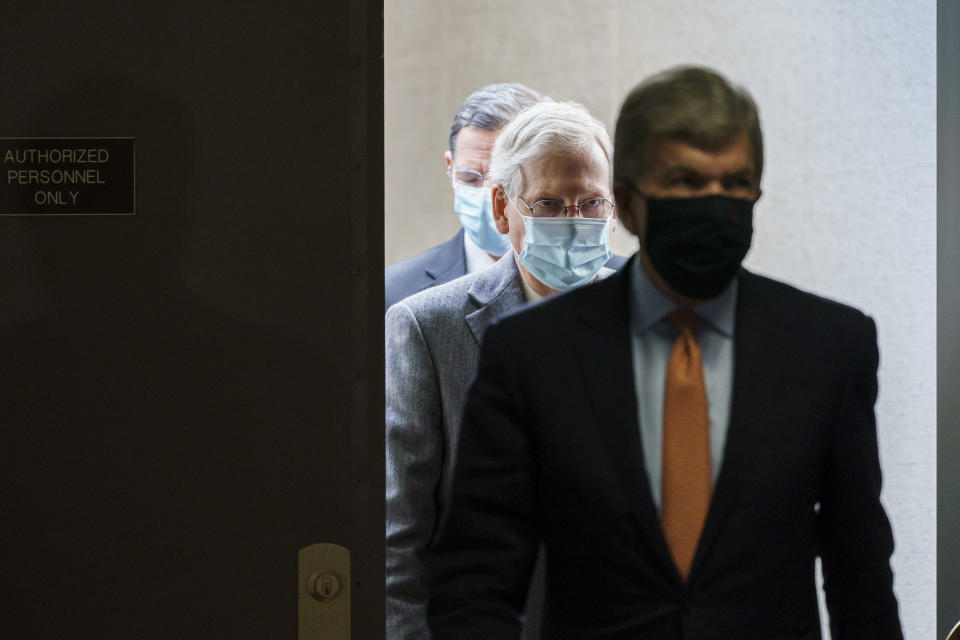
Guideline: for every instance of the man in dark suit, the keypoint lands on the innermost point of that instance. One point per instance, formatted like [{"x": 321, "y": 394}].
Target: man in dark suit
[
  {"x": 685, "y": 437},
  {"x": 477, "y": 244}
]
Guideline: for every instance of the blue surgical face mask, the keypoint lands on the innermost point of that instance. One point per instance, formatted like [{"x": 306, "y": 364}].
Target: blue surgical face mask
[
  {"x": 474, "y": 207},
  {"x": 565, "y": 252}
]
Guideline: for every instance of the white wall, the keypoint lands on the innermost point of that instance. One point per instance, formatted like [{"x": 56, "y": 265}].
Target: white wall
[{"x": 847, "y": 97}]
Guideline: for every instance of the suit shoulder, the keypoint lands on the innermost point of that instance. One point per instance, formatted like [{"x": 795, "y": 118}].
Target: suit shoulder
[
  {"x": 616, "y": 262},
  {"x": 404, "y": 275},
  {"x": 803, "y": 304},
  {"x": 565, "y": 307},
  {"x": 441, "y": 300},
  {"x": 409, "y": 275},
  {"x": 413, "y": 264}
]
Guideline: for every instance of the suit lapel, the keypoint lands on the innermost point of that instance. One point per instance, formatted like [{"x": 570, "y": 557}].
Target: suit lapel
[
  {"x": 604, "y": 353},
  {"x": 755, "y": 327},
  {"x": 449, "y": 263},
  {"x": 495, "y": 289}
]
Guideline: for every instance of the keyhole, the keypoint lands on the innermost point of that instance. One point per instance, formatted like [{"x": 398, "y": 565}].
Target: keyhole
[{"x": 325, "y": 586}]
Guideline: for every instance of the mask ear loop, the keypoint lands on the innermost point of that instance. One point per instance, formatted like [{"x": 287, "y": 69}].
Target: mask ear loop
[
  {"x": 450, "y": 174},
  {"x": 523, "y": 218}
]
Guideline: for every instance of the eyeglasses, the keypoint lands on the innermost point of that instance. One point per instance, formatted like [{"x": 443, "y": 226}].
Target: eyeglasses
[
  {"x": 468, "y": 177},
  {"x": 591, "y": 208}
]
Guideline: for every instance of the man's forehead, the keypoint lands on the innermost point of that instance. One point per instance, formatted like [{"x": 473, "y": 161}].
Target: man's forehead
[
  {"x": 733, "y": 157},
  {"x": 474, "y": 143},
  {"x": 557, "y": 169}
]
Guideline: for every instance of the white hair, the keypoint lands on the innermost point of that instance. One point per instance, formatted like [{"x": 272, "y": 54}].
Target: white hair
[{"x": 546, "y": 128}]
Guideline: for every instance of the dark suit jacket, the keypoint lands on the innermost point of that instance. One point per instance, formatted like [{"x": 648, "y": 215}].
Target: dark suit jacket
[
  {"x": 442, "y": 263},
  {"x": 550, "y": 450},
  {"x": 436, "y": 265}
]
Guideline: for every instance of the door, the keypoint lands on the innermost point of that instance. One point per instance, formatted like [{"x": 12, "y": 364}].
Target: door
[{"x": 190, "y": 388}]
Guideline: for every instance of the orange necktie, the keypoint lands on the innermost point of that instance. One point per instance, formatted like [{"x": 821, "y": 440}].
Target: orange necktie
[{"x": 686, "y": 445}]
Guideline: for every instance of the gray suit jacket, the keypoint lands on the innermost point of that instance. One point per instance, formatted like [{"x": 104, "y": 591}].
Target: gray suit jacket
[
  {"x": 432, "y": 349},
  {"x": 432, "y": 346}
]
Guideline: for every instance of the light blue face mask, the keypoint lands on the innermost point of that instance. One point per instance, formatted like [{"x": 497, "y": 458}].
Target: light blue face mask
[
  {"x": 474, "y": 207},
  {"x": 565, "y": 252}
]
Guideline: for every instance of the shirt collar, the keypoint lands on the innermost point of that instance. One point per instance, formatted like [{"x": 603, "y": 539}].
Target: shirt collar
[
  {"x": 528, "y": 293},
  {"x": 477, "y": 258},
  {"x": 649, "y": 305}
]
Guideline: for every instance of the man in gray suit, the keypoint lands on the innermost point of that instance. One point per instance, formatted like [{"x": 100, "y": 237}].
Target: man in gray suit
[{"x": 552, "y": 200}]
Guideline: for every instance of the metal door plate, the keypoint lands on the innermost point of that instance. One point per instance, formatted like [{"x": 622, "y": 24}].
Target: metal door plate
[{"x": 324, "y": 598}]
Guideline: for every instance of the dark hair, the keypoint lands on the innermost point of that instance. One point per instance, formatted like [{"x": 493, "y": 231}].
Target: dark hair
[
  {"x": 690, "y": 104},
  {"x": 491, "y": 108}
]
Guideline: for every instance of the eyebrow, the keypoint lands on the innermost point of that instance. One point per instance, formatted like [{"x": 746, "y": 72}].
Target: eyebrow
[
  {"x": 744, "y": 172},
  {"x": 598, "y": 194}
]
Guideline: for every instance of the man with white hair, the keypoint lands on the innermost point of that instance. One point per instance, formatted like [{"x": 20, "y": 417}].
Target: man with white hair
[
  {"x": 477, "y": 244},
  {"x": 553, "y": 202}
]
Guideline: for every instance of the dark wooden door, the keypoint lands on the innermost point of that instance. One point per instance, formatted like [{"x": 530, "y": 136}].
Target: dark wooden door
[{"x": 190, "y": 394}]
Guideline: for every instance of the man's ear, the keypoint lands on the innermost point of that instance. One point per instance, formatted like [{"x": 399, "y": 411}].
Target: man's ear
[
  {"x": 448, "y": 159},
  {"x": 500, "y": 210},
  {"x": 627, "y": 206}
]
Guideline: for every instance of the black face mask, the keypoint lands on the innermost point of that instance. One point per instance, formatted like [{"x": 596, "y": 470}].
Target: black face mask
[{"x": 697, "y": 244}]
